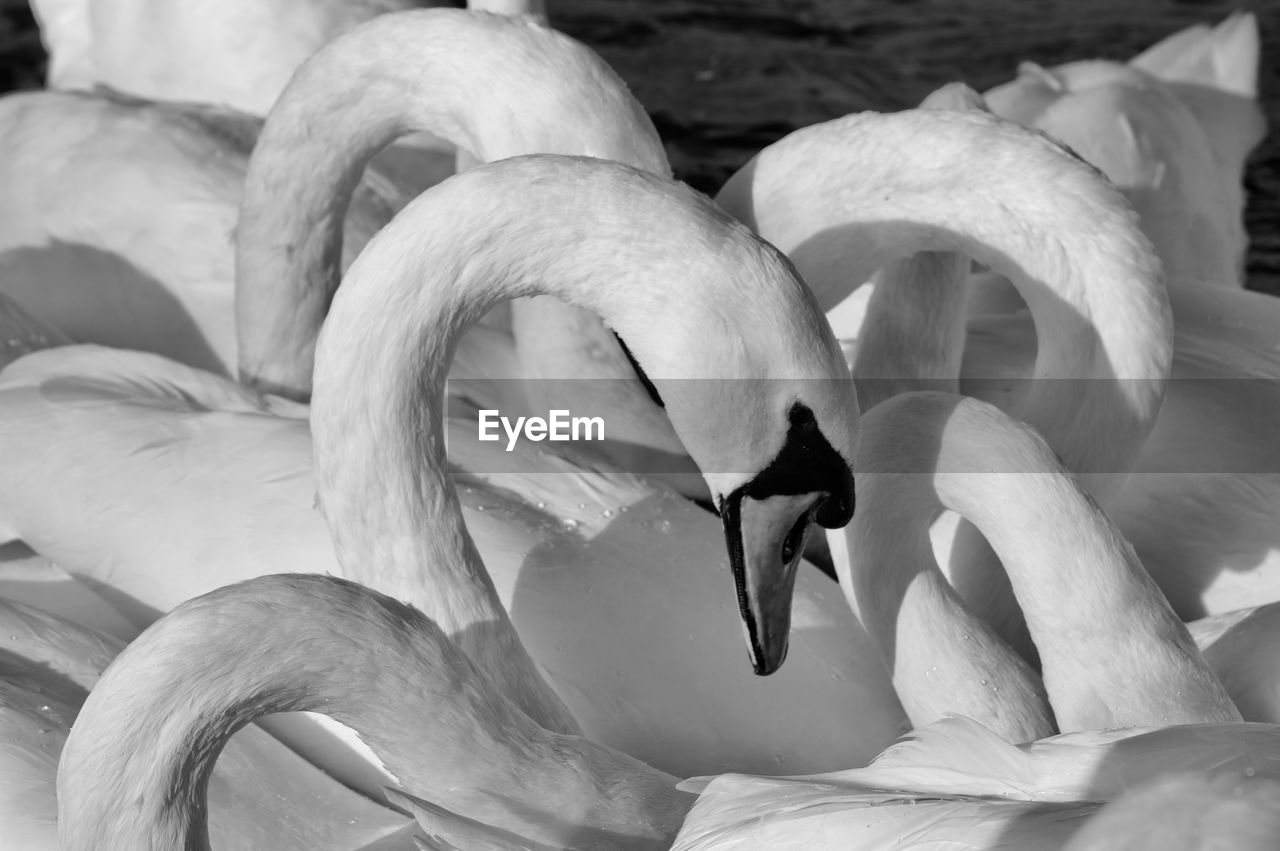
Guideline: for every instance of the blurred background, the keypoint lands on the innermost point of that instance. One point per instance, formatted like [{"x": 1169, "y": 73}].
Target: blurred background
[{"x": 724, "y": 78}]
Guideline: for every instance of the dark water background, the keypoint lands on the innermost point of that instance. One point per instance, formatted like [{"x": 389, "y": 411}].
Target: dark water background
[{"x": 724, "y": 78}]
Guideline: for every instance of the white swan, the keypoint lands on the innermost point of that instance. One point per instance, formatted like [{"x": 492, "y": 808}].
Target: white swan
[
  {"x": 1172, "y": 129},
  {"x": 261, "y": 794},
  {"x": 119, "y": 217},
  {"x": 135, "y": 769},
  {"x": 183, "y": 483},
  {"x": 1201, "y": 523}
]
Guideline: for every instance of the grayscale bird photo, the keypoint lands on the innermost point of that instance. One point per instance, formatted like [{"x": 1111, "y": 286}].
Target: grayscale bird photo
[{"x": 708, "y": 425}]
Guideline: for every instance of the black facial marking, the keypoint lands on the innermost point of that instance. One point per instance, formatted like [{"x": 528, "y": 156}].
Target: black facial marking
[
  {"x": 644, "y": 379},
  {"x": 807, "y": 463}
]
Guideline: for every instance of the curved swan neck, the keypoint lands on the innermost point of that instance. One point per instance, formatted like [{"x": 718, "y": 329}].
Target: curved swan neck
[
  {"x": 532, "y": 225},
  {"x": 845, "y": 197},
  {"x": 942, "y": 659},
  {"x": 1113, "y": 652},
  {"x": 135, "y": 769},
  {"x": 452, "y": 73}
]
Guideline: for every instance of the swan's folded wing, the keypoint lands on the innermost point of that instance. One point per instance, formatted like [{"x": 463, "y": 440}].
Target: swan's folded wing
[
  {"x": 754, "y": 812},
  {"x": 1103, "y": 765},
  {"x": 153, "y": 480}
]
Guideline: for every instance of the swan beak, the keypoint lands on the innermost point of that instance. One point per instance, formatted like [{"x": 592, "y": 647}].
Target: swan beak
[{"x": 766, "y": 539}]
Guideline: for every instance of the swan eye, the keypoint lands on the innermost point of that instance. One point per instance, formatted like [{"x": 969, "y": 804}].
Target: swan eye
[{"x": 794, "y": 541}]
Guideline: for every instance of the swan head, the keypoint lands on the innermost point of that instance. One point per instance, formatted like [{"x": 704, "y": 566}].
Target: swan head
[
  {"x": 766, "y": 523},
  {"x": 733, "y": 341},
  {"x": 756, "y": 387},
  {"x": 775, "y": 452}
]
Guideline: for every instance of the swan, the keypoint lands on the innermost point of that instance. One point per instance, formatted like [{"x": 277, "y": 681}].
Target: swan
[
  {"x": 184, "y": 482},
  {"x": 957, "y": 784},
  {"x": 1201, "y": 521},
  {"x": 136, "y": 766},
  {"x": 84, "y": 249},
  {"x": 1172, "y": 128},
  {"x": 261, "y": 794}
]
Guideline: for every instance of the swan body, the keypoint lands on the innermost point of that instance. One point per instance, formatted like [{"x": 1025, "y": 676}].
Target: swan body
[
  {"x": 101, "y": 264},
  {"x": 1172, "y": 128},
  {"x": 956, "y": 784},
  {"x": 237, "y": 54},
  {"x": 230, "y": 491},
  {"x": 261, "y": 794}
]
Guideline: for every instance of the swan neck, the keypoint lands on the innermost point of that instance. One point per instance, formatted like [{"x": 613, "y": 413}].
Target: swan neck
[
  {"x": 978, "y": 187},
  {"x": 1113, "y": 653},
  {"x": 135, "y": 770},
  {"x": 942, "y": 659},
  {"x": 452, "y": 73}
]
